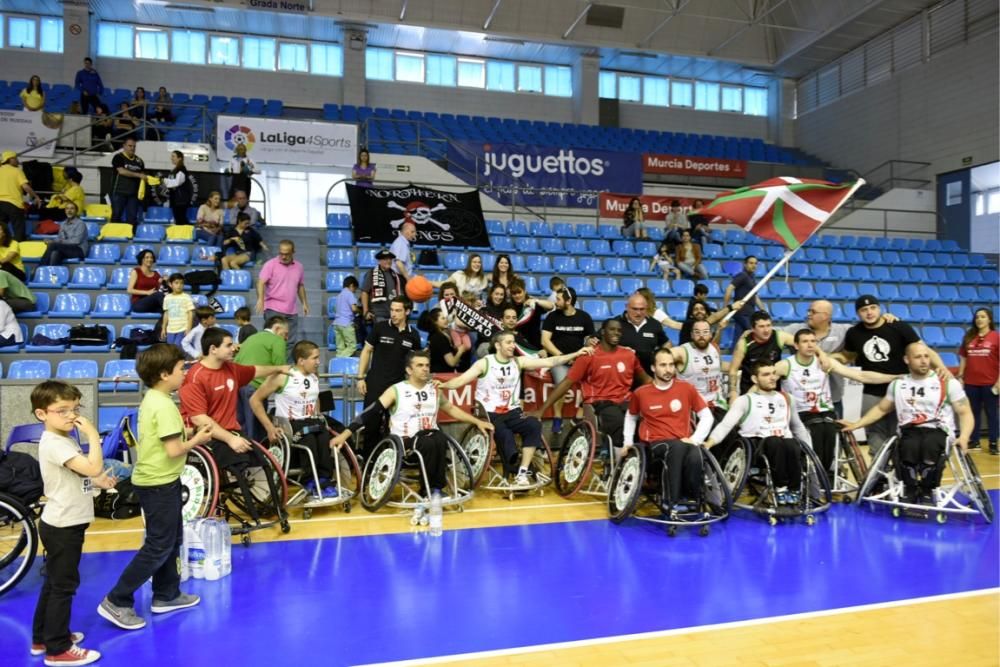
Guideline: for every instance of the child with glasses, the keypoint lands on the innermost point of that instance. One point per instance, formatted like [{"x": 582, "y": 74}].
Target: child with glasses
[{"x": 69, "y": 477}]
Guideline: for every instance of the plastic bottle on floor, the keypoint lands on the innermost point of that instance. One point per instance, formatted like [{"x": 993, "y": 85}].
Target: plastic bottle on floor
[
  {"x": 196, "y": 550},
  {"x": 185, "y": 567},
  {"x": 436, "y": 515},
  {"x": 212, "y": 534},
  {"x": 227, "y": 548}
]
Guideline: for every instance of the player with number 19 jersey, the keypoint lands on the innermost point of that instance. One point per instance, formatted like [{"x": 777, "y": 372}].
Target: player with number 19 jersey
[{"x": 414, "y": 410}]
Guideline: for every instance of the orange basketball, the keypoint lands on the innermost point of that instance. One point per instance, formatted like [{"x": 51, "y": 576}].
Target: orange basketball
[{"x": 419, "y": 289}]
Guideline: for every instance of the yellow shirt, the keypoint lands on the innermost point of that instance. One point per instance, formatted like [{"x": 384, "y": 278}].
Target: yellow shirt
[
  {"x": 15, "y": 248},
  {"x": 11, "y": 180},
  {"x": 33, "y": 101},
  {"x": 74, "y": 193}
]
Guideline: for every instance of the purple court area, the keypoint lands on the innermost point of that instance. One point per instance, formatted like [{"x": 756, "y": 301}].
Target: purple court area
[{"x": 391, "y": 597}]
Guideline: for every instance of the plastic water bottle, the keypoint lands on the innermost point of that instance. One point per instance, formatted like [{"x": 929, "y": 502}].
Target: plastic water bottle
[
  {"x": 227, "y": 548},
  {"x": 196, "y": 550},
  {"x": 185, "y": 567},
  {"x": 436, "y": 515},
  {"x": 212, "y": 535}
]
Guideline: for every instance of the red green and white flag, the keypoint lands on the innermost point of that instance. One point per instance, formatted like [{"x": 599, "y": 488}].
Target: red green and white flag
[{"x": 783, "y": 209}]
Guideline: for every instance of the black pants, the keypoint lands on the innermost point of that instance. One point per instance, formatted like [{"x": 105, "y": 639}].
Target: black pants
[
  {"x": 318, "y": 442},
  {"x": 151, "y": 303},
  {"x": 239, "y": 182},
  {"x": 374, "y": 421},
  {"x": 611, "y": 420},
  {"x": 56, "y": 253},
  {"x": 510, "y": 424},
  {"x": 433, "y": 448},
  {"x": 684, "y": 468},
  {"x": 88, "y": 101},
  {"x": 13, "y": 217},
  {"x": 61, "y": 573},
  {"x": 180, "y": 214},
  {"x": 785, "y": 460},
  {"x": 823, "y": 434},
  {"x": 54, "y": 213},
  {"x": 238, "y": 464},
  {"x": 159, "y": 556},
  {"x": 920, "y": 452}
]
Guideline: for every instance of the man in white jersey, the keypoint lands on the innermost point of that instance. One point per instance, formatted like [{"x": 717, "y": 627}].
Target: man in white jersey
[
  {"x": 925, "y": 407},
  {"x": 413, "y": 406},
  {"x": 498, "y": 388},
  {"x": 769, "y": 419},
  {"x": 808, "y": 381},
  {"x": 296, "y": 401}
]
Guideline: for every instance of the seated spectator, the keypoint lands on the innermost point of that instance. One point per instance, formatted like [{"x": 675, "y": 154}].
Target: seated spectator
[
  {"x": 15, "y": 293},
  {"x": 556, "y": 285},
  {"x": 103, "y": 129},
  {"x": 496, "y": 302},
  {"x": 446, "y": 356},
  {"x": 503, "y": 272},
  {"x": 10, "y": 330},
  {"x": 208, "y": 225},
  {"x": 125, "y": 125},
  {"x": 70, "y": 243},
  {"x": 471, "y": 278},
  {"x": 665, "y": 262},
  {"x": 689, "y": 257},
  {"x": 242, "y": 244},
  {"x": 10, "y": 255},
  {"x": 74, "y": 108},
  {"x": 240, "y": 203},
  {"x": 162, "y": 110},
  {"x": 675, "y": 222},
  {"x": 632, "y": 221},
  {"x": 144, "y": 284},
  {"x": 33, "y": 97},
  {"x": 71, "y": 192},
  {"x": 139, "y": 100},
  {"x": 191, "y": 343}
]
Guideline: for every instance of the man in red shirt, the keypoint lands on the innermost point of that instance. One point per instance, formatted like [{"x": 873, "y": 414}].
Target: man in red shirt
[
  {"x": 606, "y": 380},
  {"x": 208, "y": 398},
  {"x": 665, "y": 407}
]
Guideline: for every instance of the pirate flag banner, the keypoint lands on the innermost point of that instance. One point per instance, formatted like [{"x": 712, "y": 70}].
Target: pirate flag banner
[{"x": 442, "y": 218}]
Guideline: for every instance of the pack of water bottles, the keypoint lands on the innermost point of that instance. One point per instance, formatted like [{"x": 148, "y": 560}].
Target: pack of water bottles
[{"x": 207, "y": 550}]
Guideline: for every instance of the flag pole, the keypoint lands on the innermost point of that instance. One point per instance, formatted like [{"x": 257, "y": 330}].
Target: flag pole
[{"x": 788, "y": 254}]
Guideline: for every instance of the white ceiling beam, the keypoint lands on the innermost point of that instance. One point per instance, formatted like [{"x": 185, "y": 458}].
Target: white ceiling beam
[
  {"x": 754, "y": 22},
  {"x": 837, "y": 25},
  {"x": 402, "y": 10},
  {"x": 677, "y": 10},
  {"x": 493, "y": 12},
  {"x": 572, "y": 27}
]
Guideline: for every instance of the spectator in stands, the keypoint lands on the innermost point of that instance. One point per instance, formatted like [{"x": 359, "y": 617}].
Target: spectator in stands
[
  {"x": 191, "y": 344},
  {"x": 459, "y": 331},
  {"x": 10, "y": 330},
  {"x": 701, "y": 296},
  {"x": 143, "y": 116},
  {"x": 240, "y": 169},
  {"x": 240, "y": 203},
  {"x": 162, "y": 111},
  {"x": 380, "y": 285},
  {"x": 446, "y": 356},
  {"x": 70, "y": 243},
  {"x": 469, "y": 279},
  {"x": 10, "y": 255},
  {"x": 363, "y": 171},
  {"x": 640, "y": 332},
  {"x": 130, "y": 171},
  {"x": 15, "y": 293},
  {"x": 125, "y": 124},
  {"x": 180, "y": 189},
  {"x": 33, "y": 97},
  {"x": 103, "y": 129},
  {"x": 689, "y": 257},
  {"x": 633, "y": 219},
  {"x": 565, "y": 328},
  {"x": 676, "y": 221},
  {"x": 242, "y": 244},
  {"x": 13, "y": 186},
  {"x": 742, "y": 283},
  {"x": 265, "y": 348},
  {"x": 343, "y": 318},
  {"x": 530, "y": 312},
  {"x": 281, "y": 281},
  {"x": 503, "y": 271},
  {"x": 208, "y": 224},
  {"x": 699, "y": 312},
  {"x": 665, "y": 262},
  {"x": 242, "y": 317},
  {"x": 144, "y": 284},
  {"x": 163, "y": 97},
  {"x": 89, "y": 83},
  {"x": 72, "y": 192},
  {"x": 402, "y": 248},
  {"x": 979, "y": 370},
  {"x": 496, "y": 301},
  {"x": 139, "y": 100},
  {"x": 556, "y": 285}
]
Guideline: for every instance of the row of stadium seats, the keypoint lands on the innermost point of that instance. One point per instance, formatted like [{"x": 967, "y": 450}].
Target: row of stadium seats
[
  {"x": 97, "y": 277},
  {"x": 80, "y": 304},
  {"x": 112, "y": 253}
]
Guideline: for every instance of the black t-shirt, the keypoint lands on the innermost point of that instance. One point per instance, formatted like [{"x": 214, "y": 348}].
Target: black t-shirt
[
  {"x": 743, "y": 282},
  {"x": 439, "y": 345},
  {"x": 569, "y": 332},
  {"x": 645, "y": 340},
  {"x": 122, "y": 184},
  {"x": 880, "y": 349},
  {"x": 388, "y": 363},
  {"x": 756, "y": 352},
  {"x": 529, "y": 324}
]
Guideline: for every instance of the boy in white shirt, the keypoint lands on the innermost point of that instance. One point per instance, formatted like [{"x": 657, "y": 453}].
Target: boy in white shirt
[
  {"x": 192, "y": 340},
  {"x": 178, "y": 309}
]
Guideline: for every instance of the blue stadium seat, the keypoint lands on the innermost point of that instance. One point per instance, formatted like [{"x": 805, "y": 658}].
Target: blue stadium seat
[
  {"x": 623, "y": 248},
  {"x": 174, "y": 255},
  {"x": 502, "y": 243},
  {"x": 560, "y": 265},
  {"x": 133, "y": 249},
  {"x": 987, "y": 295},
  {"x": 933, "y": 335},
  {"x": 576, "y": 247},
  {"x": 901, "y": 310},
  {"x": 803, "y": 290},
  {"x": 158, "y": 214},
  {"x": 645, "y": 249},
  {"x": 606, "y": 287},
  {"x": 598, "y": 310},
  {"x": 341, "y": 368},
  {"x": 783, "y": 311},
  {"x": 630, "y": 285},
  {"x": 103, "y": 253},
  {"x": 582, "y": 285},
  {"x": 835, "y": 256},
  {"x": 88, "y": 277},
  {"x": 801, "y": 310},
  {"x": 541, "y": 229},
  {"x": 920, "y": 312},
  {"x": 563, "y": 230},
  {"x": 609, "y": 232},
  {"x": 150, "y": 233},
  {"x": 119, "y": 278},
  {"x": 338, "y": 221},
  {"x": 235, "y": 279},
  {"x": 70, "y": 304},
  {"x": 954, "y": 275},
  {"x": 50, "y": 277},
  {"x": 112, "y": 305},
  {"x": 948, "y": 293},
  {"x": 518, "y": 228},
  {"x": 527, "y": 244},
  {"x": 339, "y": 238},
  {"x": 617, "y": 307},
  {"x": 888, "y": 292},
  {"x": 918, "y": 274},
  {"x": 230, "y": 304},
  {"x": 599, "y": 247},
  {"x": 77, "y": 369},
  {"x": 968, "y": 293},
  {"x": 660, "y": 288},
  {"x": 41, "y": 307},
  {"x": 29, "y": 369},
  {"x": 817, "y": 272},
  {"x": 872, "y": 257},
  {"x": 779, "y": 289},
  {"x": 962, "y": 313},
  {"x": 551, "y": 246},
  {"x": 542, "y": 263},
  {"x": 936, "y": 274},
  {"x": 825, "y": 290},
  {"x": 941, "y": 312},
  {"x": 587, "y": 231},
  {"x": 949, "y": 359},
  {"x": 495, "y": 228},
  {"x": 684, "y": 288},
  {"x": 929, "y": 293},
  {"x": 340, "y": 258},
  {"x": 614, "y": 265},
  {"x": 853, "y": 256},
  {"x": 590, "y": 265},
  {"x": 865, "y": 242},
  {"x": 881, "y": 273},
  {"x": 51, "y": 331},
  {"x": 846, "y": 291}
]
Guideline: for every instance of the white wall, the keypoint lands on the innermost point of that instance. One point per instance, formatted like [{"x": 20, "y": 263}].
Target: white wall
[
  {"x": 469, "y": 101},
  {"x": 939, "y": 112},
  {"x": 899, "y": 212},
  {"x": 675, "y": 119}
]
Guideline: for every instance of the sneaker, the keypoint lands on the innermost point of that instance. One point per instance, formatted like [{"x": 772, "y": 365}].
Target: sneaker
[
  {"x": 993, "y": 448},
  {"x": 182, "y": 601},
  {"x": 310, "y": 488},
  {"x": 39, "y": 649},
  {"x": 331, "y": 492},
  {"x": 74, "y": 655},
  {"x": 522, "y": 479},
  {"x": 124, "y": 617},
  {"x": 793, "y": 498}
]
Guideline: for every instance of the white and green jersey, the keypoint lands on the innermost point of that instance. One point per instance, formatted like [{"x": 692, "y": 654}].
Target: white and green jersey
[
  {"x": 809, "y": 385},
  {"x": 703, "y": 369},
  {"x": 767, "y": 415},
  {"x": 499, "y": 387},
  {"x": 925, "y": 402},
  {"x": 297, "y": 397},
  {"x": 415, "y": 409}
]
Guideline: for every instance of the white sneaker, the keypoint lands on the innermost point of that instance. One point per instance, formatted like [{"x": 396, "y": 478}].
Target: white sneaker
[{"x": 522, "y": 479}]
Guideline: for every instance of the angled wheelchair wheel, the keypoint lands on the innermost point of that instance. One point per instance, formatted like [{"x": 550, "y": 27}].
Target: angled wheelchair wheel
[
  {"x": 880, "y": 471},
  {"x": 479, "y": 449},
  {"x": 576, "y": 458},
  {"x": 626, "y": 484},
  {"x": 18, "y": 542},
  {"x": 715, "y": 489},
  {"x": 264, "y": 504},
  {"x": 281, "y": 451},
  {"x": 977, "y": 492},
  {"x": 855, "y": 457},
  {"x": 349, "y": 472},
  {"x": 815, "y": 480},
  {"x": 381, "y": 474},
  {"x": 736, "y": 468},
  {"x": 543, "y": 463},
  {"x": 199, "y": 485},
  {"x": 461, "y": 479}
]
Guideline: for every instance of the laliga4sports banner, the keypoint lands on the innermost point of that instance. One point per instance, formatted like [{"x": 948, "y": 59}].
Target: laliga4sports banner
[
  {"x": 441, "y": 218},
  {"x": 279, "y": 141},
  {"x": 534, "y": 175}
]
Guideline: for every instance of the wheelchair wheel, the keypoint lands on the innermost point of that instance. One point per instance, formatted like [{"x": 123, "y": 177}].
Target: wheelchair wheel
[
  {"x": 350, "y": 473},
  {"x": 461, "y": 480},
  {"x": 260, "y": 490},
  {"x": 715, "y": 490},
  {"x": 18, "y": 542},
  {"x": 626, "y": 484},
  {"x": 576, "y": 459},
  {"x": 979, "y": 496},
  {"x": 543, "y": 463},
  {"x": 880, "y": 471},
  {"x": 855, "y": 458},
  {"x": 199, "y": 485},
  {"x": 736, "y": 469},
  {"x": 479, "y": 449},
  {"x": 815, "y": 478},
  {"x": 281, "y": 451},
  {"x": 381, "y": 473}
]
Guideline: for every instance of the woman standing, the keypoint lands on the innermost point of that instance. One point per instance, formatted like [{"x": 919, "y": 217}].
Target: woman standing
[
  {"x": 364, "y": 171},
  {"x": 32, "y": 97},
  {"x": 180, "y": 188},
  {"x": 471, "y": 278},
  {"x": 208, "y": 227},
  {"x": 240, "y": 169},
  {"x": 144, "y": 284},
  {"x": 633, "y": 219},
  {"x": 979, "y": 370}
]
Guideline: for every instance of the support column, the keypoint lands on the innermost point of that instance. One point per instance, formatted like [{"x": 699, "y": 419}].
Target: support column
[
  {"x": 76, "y": 39},
  {"x": 781, "y": 112},
  {"x": 355, "y": 43},
  {"x": 586, "y": 71}
]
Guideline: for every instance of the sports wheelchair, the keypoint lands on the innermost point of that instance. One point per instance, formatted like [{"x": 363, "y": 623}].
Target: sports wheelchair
[
  {"x": 965, "y": 495},
  {"x": 488, "y": 471},
  {"x": 755, "y": 490},
  {"x": 635, "y": 482},
  {"x": 18, "y": 541},
  {"x": 849, "y": 466},
  {"x": 394, "y": 474},
  {"x": 586, "y": 461}
]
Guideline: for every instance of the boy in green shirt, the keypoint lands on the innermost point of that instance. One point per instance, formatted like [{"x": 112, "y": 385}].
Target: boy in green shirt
[{"x": 161, "y": 453}]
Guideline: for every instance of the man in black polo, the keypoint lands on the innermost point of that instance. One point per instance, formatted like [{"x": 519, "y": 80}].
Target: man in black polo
[
  {"x": 129, "y": 172},
  {"x": 762, "y": 343},
  {"x": 639, "y": 332},
  {"x": 742, "y": 283}
]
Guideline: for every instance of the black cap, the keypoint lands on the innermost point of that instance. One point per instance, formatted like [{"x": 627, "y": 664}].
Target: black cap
[
  {"x": 865, "y": 300},
  {"x": 384, "y": 253}
]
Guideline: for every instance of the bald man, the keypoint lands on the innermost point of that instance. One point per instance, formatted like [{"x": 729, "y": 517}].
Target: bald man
[
  {"x": 925, "y": 407},
  {"x": 830, "y": 336},
  {"x": 640, "y": 331},
  {"x": 403, "y": 250}
]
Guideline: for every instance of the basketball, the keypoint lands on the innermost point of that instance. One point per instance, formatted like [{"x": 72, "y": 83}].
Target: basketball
[{"x": 419, "y": 289}]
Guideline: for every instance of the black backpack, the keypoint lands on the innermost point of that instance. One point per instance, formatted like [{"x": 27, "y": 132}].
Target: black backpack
[
  {"x": 21, "y": 477},
  {"x": 120, "y": 502},
  {"x": 88, "y": 334},
  {"x": 202, "y": 278}
]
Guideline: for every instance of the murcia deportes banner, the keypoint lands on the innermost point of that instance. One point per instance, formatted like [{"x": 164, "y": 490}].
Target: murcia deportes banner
[{"x": 278, "y": 141}]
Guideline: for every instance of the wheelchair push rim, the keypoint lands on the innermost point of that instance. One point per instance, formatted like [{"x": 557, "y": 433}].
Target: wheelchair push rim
[
  {"x": 199, "y": 485},
  {"x": 982, "y": 499},
  {"x": 381, "y": 475},
  {"x": 626, "y": 484},
  {"x": 18, "y": 542},
  {"x": 576, "y": 459}
]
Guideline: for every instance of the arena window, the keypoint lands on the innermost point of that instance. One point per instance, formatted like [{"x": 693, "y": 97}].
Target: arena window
[
  {"x": 607, "y": 85},
  {"x": 440, "y": 69},
  {"x": 629, "y": 88},
  {"x": 22, "y": 33},
  {"x": 706, "y": 96},
  {"x": 500, "y": 76},
  {"x": 471, "y": 72},
  {"x": 732, "y": 98},
  {"x": 529, "y": 79},
  {"x": 188, "y": 47},
  {"x": 655, "y": 91},
  {"x": 409, "y": 67},
  {"x": 327, "y": 59},
  {"x": 224, "y": 51},
  {"x": 755, "y": 101},
  {"x": 681, "y": 93},
  {"x": 115, "y": 40},
  {"x": 293, "y": 57},
  {"x": 558, "y": 81},
  {"x": 378, "y": 64},
  {"x": 258, "y": 53},
  {"x": 51, "y": 35},
  {"x": 151, "y": 44}
]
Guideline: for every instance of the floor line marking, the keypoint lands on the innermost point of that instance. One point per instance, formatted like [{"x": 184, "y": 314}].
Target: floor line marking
[{"x": 681, "y": 631}]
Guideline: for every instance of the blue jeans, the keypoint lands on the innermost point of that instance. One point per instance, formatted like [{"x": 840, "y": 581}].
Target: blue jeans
[
  {"x": 208, "y": 237},
  {"x": 125, "y": 208},
  {"x": 982, "y": 398},
  {"x": 159, "y": 556}
]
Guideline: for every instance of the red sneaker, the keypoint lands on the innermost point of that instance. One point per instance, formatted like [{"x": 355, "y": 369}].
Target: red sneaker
[
  {"x": 39, "y": 649},
  {"x": 74, "y": 655}
]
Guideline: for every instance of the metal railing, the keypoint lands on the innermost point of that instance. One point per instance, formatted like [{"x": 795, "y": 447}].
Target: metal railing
[{"x": 898, "y": 173}]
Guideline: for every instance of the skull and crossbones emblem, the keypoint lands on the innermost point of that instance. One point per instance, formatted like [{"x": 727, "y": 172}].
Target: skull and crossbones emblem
[{"x": 418, "y": 213}]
